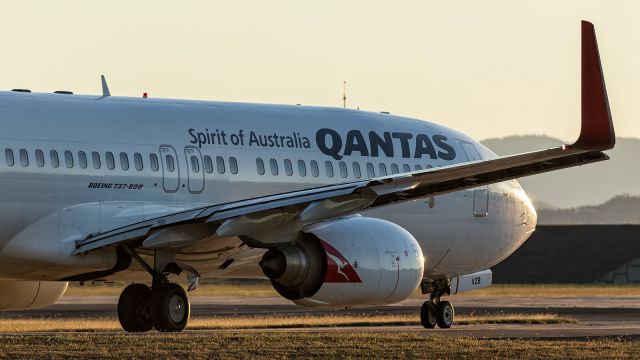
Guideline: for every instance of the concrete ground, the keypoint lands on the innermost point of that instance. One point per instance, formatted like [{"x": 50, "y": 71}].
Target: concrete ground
[{"x": 596, "y": 316}]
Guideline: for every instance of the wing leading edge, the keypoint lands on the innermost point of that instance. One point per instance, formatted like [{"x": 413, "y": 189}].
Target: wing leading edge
[{"x": 242, "y": 218}]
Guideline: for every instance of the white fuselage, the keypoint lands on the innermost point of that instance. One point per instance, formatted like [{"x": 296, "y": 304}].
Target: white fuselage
[{"x": 46, "y": 208}]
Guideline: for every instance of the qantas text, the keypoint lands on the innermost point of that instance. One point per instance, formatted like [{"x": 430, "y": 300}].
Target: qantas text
[{"x": 331, "y": 143}]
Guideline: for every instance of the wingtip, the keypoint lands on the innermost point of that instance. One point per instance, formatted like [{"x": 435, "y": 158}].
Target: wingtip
[
  {"x": 586, "y": 23},
  {"x": 597, "y": 131}
]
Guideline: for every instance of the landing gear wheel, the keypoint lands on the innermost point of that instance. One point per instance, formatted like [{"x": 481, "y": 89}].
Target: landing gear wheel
[
  {"x": 169, "y": 307},
  {"x": 427, "y": 315},
  {"x": 133, "y": 308},
  {"x": 444, "y": 314}
]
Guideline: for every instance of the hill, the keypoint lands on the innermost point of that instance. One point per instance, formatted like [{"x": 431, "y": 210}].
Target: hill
[{"x": 622, "y": 209}]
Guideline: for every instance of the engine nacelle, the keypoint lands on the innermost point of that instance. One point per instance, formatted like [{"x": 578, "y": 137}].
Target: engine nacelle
[
  {"x": 356, "y": 261},
  {"x": 25, "y": 295}
]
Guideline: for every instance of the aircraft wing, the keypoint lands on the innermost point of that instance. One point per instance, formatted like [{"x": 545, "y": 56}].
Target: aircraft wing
[{"x": 297, "y": 208}]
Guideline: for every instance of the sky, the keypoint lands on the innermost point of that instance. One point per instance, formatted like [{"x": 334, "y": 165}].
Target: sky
[{"x": 488, "y": 68}]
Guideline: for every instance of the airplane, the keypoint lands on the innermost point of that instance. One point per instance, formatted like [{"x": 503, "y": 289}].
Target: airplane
[{"x": 336, "y": 207}]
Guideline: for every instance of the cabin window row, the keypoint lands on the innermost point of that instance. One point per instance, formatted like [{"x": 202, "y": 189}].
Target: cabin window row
[
  {"x": 81, "y": 159},
  {"x": 343, "y": 168},
  {"x": 69, "y": 159},
  {"x": 220, "y": 164}
]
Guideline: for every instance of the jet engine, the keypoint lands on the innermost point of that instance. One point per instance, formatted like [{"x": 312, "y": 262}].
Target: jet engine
[
  {"x": 25, "y": 295},
  {"x": 355, "y": 261}
]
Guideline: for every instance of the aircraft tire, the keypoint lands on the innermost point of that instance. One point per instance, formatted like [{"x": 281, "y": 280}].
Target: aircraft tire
[
  {"x": 133, "y": 308},
  {"x": 427, "y": 315},
  {"x": 444, "y": 314},
  {"x": 169, "y": 307}
]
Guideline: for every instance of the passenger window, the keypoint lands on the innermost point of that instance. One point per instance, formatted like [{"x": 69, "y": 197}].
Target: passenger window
[
  {"x": 288, "y": 169},
  {"x": 302, "y": 168},
  {"x": 314, "y": 168},
  {"x": 233, "y": 165},
  {"x": 383, "y": 169},
  {"x": 171, "y": 166},
  {"x": 95, "y": 159},
  {"x": 55, "y": 161},
  {"x": 153, "y": 160},
  {"x": 39, "y": 158},
  {"x": 328, "y": 166},
  {"x": 208, "y": 164},
  {"x": 418, "y": 167},
  {"x": 220, "y": 164},
  {"x": 274, "y": 167},
  {"x": 370, "y": 171},
  {"x": 343, "y": 169},
  {"x": 111, "y": 162},
  {"x": 124, "y": 161},
  {"x": 137, "y": 161},
  {"x": 8, "y": 154},
  {"x": 260, "y": 166},
  {"x": 195, "y": 164},
  {"x": 68, "y": 158},
  {"x": 406, "y": 168},
  {"x": 24, "y": 157},
  {"x": 394, "y": 169},
  {"x": 82, "y": 159},
  {"x": 356, "y": 170}
]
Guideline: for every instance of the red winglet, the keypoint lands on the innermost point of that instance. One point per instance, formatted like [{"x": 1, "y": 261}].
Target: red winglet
[{"x": 597, "y": 127}]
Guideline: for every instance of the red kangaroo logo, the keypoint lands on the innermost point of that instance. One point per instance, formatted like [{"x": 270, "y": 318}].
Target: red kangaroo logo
[{"x": 339, "y": 270}]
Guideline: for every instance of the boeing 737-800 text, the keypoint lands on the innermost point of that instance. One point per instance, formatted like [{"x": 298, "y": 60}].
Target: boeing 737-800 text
[{"x": 337, "y": 207}]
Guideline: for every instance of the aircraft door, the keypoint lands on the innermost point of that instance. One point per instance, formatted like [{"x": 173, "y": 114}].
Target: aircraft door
[
  {"x": 481, "y": 201},
  {"x": 195, "y": 172},
  {"x": 480, "y": 194},
  {"x": 170, "y": 169}
]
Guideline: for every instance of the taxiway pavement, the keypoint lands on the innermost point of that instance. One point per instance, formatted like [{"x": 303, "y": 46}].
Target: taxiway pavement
[{"x": 596, "y": 316}]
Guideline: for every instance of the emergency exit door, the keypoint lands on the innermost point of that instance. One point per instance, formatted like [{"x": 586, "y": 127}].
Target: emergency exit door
[
  {"x": 480, "y": 194},
  {"x": 170, "y": 169},
  {"x": 195, "y": 172}
]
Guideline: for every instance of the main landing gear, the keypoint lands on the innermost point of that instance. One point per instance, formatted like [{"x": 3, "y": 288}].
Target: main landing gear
[
  {"x": 435, "y": 311},
  {"x": 163, "y": 306}
]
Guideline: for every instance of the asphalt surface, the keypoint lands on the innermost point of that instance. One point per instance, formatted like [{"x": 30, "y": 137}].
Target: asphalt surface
[{"x": 596, "y": 317}]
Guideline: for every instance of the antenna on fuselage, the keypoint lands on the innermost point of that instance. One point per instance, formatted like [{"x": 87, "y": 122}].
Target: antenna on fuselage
[
  {"x": 105, "y": 87},
  {"x": 344, "y": 94}
]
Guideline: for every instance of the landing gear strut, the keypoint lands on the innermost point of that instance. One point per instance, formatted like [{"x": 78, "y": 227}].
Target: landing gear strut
[
  {"x": 163, "y": 306},
  {"x": 435, "y": 311}
]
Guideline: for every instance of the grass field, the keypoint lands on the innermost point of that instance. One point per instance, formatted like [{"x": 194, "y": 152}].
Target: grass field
[
  {"x": 264, "y": 289},
  {"x": 289, "y": 344},
  {"x": 268, "y": 321}
]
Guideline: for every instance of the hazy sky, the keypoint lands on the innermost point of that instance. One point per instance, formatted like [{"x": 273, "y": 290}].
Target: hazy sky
[{"x": 487, "y": 68}]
